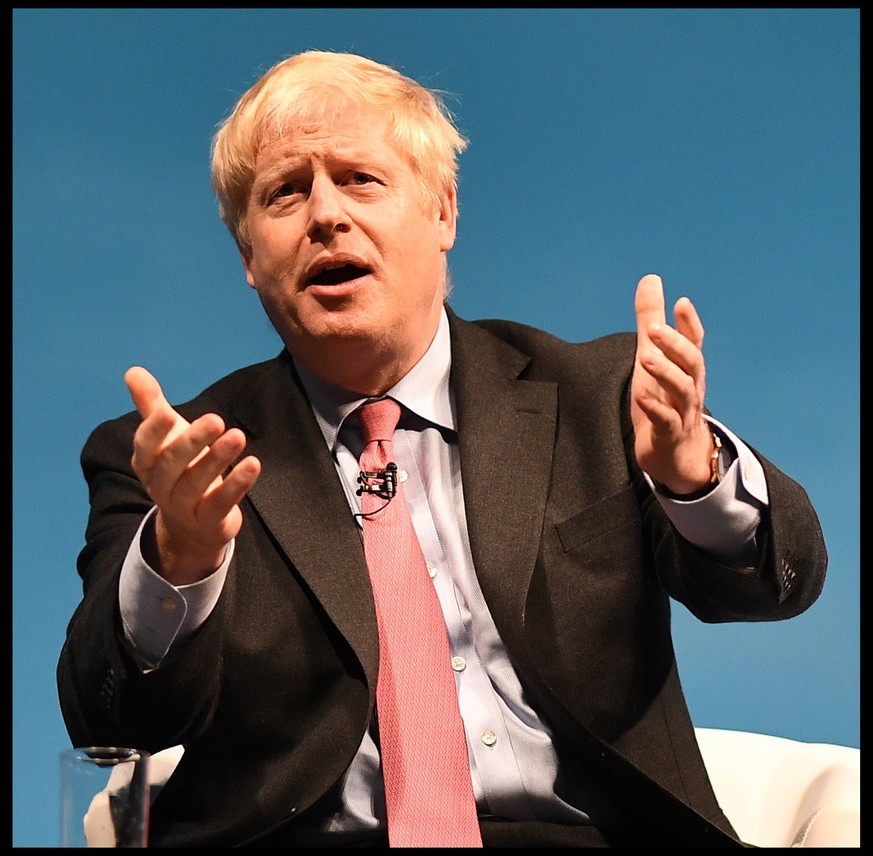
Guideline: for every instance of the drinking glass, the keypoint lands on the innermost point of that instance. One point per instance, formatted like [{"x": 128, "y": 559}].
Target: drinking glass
[{"x": 104, "y": 797}]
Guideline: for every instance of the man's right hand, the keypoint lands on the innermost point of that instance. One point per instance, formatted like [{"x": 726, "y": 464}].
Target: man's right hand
[{"x": 180, "y": 464}]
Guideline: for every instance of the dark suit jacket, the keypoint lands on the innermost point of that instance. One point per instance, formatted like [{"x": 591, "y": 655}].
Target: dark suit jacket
[{"x": 574, "y": 555}]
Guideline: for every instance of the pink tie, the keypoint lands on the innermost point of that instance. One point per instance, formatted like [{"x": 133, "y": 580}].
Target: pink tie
[{"x": 428, "y": 791}]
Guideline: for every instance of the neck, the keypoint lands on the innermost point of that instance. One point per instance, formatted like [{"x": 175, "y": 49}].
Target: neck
[{"x": 359, "y": 367}]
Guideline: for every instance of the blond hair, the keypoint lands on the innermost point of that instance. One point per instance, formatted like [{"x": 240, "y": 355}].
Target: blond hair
[{"x": 314, "y": 85}]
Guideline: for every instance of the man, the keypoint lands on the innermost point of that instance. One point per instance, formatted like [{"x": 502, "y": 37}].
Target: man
[{"x": 562, "y": 494}]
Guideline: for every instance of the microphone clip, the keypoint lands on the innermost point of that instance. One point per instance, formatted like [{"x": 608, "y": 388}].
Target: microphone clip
[{"x": 381, "y": 482}]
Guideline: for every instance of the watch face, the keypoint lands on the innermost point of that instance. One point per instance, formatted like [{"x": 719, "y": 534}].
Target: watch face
[
  {"x": 725, "y": 459},
  {"x": 722, "y": 457}
]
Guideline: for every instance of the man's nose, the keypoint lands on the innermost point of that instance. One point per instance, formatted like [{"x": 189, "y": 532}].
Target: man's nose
[{"x": 327, "y": 210}]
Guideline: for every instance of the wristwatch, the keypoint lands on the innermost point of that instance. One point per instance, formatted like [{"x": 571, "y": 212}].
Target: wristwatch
[
  {"x": 721, "y": 457},
  {"x": 720, "y": 460}
]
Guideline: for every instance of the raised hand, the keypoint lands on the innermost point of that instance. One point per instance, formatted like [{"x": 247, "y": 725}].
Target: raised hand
[
  {"x": 180, "y": 464},
  {"x": 673, "y": 444}
]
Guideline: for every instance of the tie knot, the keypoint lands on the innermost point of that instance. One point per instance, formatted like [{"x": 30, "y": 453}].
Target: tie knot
[{"x": 379, "y": 419}]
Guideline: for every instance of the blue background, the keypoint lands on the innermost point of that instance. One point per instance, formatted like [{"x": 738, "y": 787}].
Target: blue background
[{"x": 716, "y": 147}]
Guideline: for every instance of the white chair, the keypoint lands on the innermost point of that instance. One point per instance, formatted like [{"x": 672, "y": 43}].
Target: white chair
[{"x": 777, "y": 792}]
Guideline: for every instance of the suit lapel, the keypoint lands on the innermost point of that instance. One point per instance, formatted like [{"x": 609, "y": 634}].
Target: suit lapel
[
  {"x": 300, "y": 500},
  {"x": 507, "y": 432},
  {"x": 506, "y": 429}
]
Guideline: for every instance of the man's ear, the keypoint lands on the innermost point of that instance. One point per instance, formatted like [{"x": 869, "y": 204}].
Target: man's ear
[
  {"x": 448, "y": 218},
  {"x": 246, "y": 258}
]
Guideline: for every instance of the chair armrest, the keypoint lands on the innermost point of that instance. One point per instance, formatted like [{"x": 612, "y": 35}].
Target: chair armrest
[{"x": 779, "y": 792}]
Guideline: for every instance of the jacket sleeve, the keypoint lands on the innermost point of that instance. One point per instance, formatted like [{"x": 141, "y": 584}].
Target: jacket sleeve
[
  {"x": 786, "y": 580},
  {"x": 105, "y": 697}
]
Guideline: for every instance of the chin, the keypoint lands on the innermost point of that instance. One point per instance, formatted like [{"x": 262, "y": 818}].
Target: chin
[{"x": 338, "y": 329}]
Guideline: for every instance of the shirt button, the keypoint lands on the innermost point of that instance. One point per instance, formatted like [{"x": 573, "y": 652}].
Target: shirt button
[
  {"x": 459, "y": 664},
  {"x": 402, "y": 475},
  {"x": 431, "y": 569},
  {"x": 169, "y": 604},
  {"x": 489, "y": 738}
]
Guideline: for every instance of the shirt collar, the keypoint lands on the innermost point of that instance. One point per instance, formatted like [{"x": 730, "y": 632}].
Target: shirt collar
[{"x": 424, "y": 390}]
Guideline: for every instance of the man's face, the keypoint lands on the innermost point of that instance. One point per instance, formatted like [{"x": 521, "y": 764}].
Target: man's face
[{"x": 346, "y": 256}]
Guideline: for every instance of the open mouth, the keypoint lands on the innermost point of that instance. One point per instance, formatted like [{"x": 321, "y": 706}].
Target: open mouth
[{"x": 337, "y": 275}]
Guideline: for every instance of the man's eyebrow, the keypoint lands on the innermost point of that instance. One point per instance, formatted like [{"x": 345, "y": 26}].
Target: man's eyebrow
[{"x": 346, "y": 155}]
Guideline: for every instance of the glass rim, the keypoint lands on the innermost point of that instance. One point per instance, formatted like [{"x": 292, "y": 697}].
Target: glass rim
[{"x": 106, "y": 755}]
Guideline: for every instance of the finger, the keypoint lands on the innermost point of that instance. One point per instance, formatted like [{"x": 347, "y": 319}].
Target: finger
[
  {"x": 217, "y": 511},
  {"x": 689, "y": 325},
  {"x": 159, "y": 420},
  {"x": 220, "y": 500},
  {"x": 688, "y": 322},
  {"x": 676, "y": 387},
  {"x": 662, "y": 416},
  {"x": 206, "y": 469},
  {"x": 173, "y": 454},
  {"x": 649, "y": 305},
  {"x": 681, "y": 390},
  {"x": 678, "y": 348}
]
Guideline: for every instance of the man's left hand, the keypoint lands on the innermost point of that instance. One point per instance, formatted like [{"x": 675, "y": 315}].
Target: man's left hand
[{"x": 673, "y": 443}]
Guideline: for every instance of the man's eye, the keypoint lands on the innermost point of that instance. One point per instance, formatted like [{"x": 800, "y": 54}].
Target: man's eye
[
  {"x": 361, "y": 178},
  {"x": 287, "y": 189}
]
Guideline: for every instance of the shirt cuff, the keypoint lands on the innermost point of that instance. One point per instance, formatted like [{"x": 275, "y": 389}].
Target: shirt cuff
[
  {"x": 159, "y": 617},
  {"x": 723, "y": 522}
]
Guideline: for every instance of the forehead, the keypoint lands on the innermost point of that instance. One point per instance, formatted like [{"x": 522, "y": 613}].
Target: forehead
[{"x": 332, "y": 133}]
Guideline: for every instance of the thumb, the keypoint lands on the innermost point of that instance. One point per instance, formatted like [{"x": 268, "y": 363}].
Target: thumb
[
  {"x": 145, "y": 390},
  {"x": 649, "y": 304}
]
